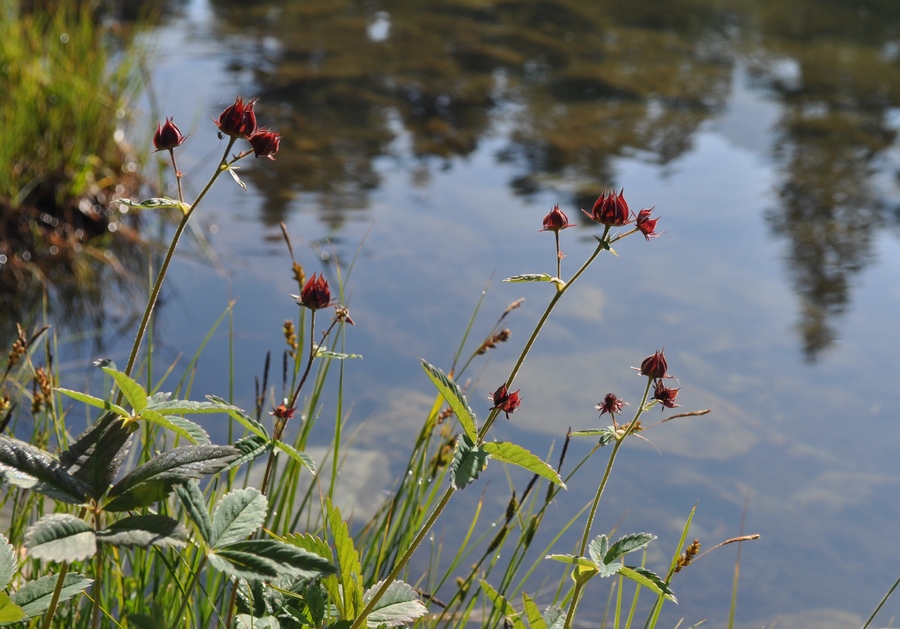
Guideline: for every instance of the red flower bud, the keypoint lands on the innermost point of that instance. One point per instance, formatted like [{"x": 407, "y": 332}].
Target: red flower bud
[
  {"x": 265, "y": 143},
  {"x": 283, "y": 411},
  {"x": 665, "y": 395},
  {"x": 167, "y": 136},
  {"x": 556, "y": 220},
  {"x": 611, "y": 404},
  {"x": 611, "y": 209},
  {"x": 238, "y": 120},
  {"x": 655, "y": 366},
  {"x": 646, "y": 224},
  {"x": 316, "y": 294},
  {"x": 506, "y": 401}
]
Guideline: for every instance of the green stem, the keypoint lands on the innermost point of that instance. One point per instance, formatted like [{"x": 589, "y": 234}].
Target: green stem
[
  {"x": 401, "y": 563},
  {"x": 57, "y": 590},
  {"x": 187, "y": 593},
  {"x": 157, "y": 286},
  {"x": 586, "y": 535}
]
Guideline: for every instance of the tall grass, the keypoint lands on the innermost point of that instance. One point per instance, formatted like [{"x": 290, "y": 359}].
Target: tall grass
[{"x": 113, "y": 526}]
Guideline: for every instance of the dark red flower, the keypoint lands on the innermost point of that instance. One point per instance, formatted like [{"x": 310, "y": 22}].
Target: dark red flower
[
  {"x": 265, "y": 143},
  {"x": 655, "y": 366},
  {"x": 665, "y": 395},
  {"x": 506, "y": 401},
  {"x": 315, "y": 294},
  {"x": 611, "y": 404},
  {"x": 238, "y": 120},
  {"x": 167, "y": 136},
  {"x": 646, "y": 224},
  {"x": 610, "y": 209},
  {"x": 556, "y": 220},
  {"x": 283, "y": 411}
]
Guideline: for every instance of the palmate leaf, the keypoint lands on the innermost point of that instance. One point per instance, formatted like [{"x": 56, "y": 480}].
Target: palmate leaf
[
  {"x": 517, "y": 455},
  {"x": 60, "y": 537},
  {"x": 7, "y": 562},
  {"x": 34, "y": 597},
  {"x": 154, "y": 479},
  {"x": 144, "y": 531},
  {"x": 238, "y": 514},
  {"x": 96, "y": 454},
  {"x": 9, "y": 611},
  {"x": 195, "y": 505},
  {"x": 451, "y": 392},
  {"x": 33, "y": 464},
  {"x": 468, "y": 462},
  {"x": 399, "y": 605}
]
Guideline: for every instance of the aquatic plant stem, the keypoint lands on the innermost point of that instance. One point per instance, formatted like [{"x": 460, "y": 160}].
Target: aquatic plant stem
[
  {"x": 157, "y": 286},
  {"x": 585, "y": 537},
  {"x": 187, "y": 593},
  {"x": 401, "y": 563}
]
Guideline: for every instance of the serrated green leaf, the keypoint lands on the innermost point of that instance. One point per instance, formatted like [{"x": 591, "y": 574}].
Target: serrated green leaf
[
  {"x": 155, "y": 418},
  {"x": 350, "y": 571},
  {"x": 7, "y": 562},
  {"x": 310, "y": 543},
  {"x": 502, "y": 605},
  {"x": 507, "y": 452},
  {"x": 141, "y": 495},
  {"x": 196, "y": 433},
  {"x": 238, "y": 514},
  {"x": 451, "y": 392},
  {"x": 294, "y": 562},
  {"x": 245, "y": 420},
  {"x": 183, "y": 407},
  {"x": 649, "y": 580},
  {"x": 626, "y": 544},
  {"x": 250, "y": 448},
  {"x": 555, "y": 617},
  {"x": 532, "y": 613},
  {"x": 243, "y": 565},
  {"x": 9, "y": 611},
  {"x": 34, "y": 597},
  {"x": 156, "y": 203},
  {"x": 195, "y": 506},
  {"x": 90, "y": 400},
  {"x": 530, "y": 277},
  {"x": 60, "y": 537},
  {"x": 301, "y": 457},
  {"x": 468, "y": 462},
  {"x": 574, "y": 560},
  {"x": 598, "y": 548},
  {"x": 324, "y": 353},
  {"x": 131, "y": 389},
  {"x": 32, "y": 464},
  {"x": 96, "y": 454},
  {"x": 399, "y": 605},
  {"x": 246, "y": 621},
  {"x": 144, "y": 531},
  {"x": 178, "y": 465},
  {"x": 591, "y": 432}
]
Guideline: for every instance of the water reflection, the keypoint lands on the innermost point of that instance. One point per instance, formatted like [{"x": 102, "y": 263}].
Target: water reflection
[{"x": 574, "y": 86}]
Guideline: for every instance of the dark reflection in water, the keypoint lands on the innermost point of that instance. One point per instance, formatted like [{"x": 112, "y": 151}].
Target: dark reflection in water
[{"x": 573, "y": 86}]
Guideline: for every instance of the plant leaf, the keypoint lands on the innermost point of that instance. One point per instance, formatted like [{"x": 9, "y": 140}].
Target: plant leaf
[
  {"x": 245, "y": 420},
  {"x": 243, "y": 565},
  {"x": 507, "y": 452},
  {"x": 348, "y": 561},
  {"x": 96, "y": 454},
  {"x": 156, "y": 203},
  {"x": 34, "y": 597},
  {"x": 455, "y": 398},
  {"x": 246, "y": 621},
  {"x": 154, "y": 417},
  {"x": 141, "y": 495},
  {"x": 195, "y": 505},
  {"x": 399, "y": 605},
  {"x": 502, "y": 605},
  {"x": 535, "y": 619},
  {"x": 626, "y": 544},
  {"x": 144, "y": 531},
  {"x": 238, "y": 514},
  {"x": 131, "y": 389},
  {"x": 177, "y": 466},
  {"x": 60, "y": 537},
  {"x": 284, "y": 559},
  {"x": 250, "y": 447},
  {"x": 530, "y": 277},
  {"x": 555, "y": 617},
  {"x": 9, "y": 611},
  {"x": 195, "y": 432},
  {"x": 468, "y": 462},
  {"x": 598, "y": 548},
  {"x": 310, "y": 543},
  {"x": 301, "y": 457},
  {"x": 324, "y": 353},
  {"x": 7, "y": 562},
  {"x": 649, "y": 580},
  {"x": 34, "y": 463},
  {"x": 90, "y": 400}
]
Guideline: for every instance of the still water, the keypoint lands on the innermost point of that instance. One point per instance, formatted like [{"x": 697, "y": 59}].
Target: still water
[{"x": 434, "y": 139}]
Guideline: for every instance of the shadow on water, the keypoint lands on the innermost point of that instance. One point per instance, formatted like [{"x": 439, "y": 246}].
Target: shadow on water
[{"x": 572, "y": 87}]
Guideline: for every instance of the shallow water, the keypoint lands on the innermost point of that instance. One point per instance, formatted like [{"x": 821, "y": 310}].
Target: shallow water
[{"x": 764, "y": 135}]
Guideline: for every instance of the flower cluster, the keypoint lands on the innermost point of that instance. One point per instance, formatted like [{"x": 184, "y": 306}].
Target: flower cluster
[{"x": 656, "y": 368}]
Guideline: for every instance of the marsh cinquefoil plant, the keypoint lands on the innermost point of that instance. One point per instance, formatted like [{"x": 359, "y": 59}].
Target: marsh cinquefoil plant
[{"x": 273, "y": 556}]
